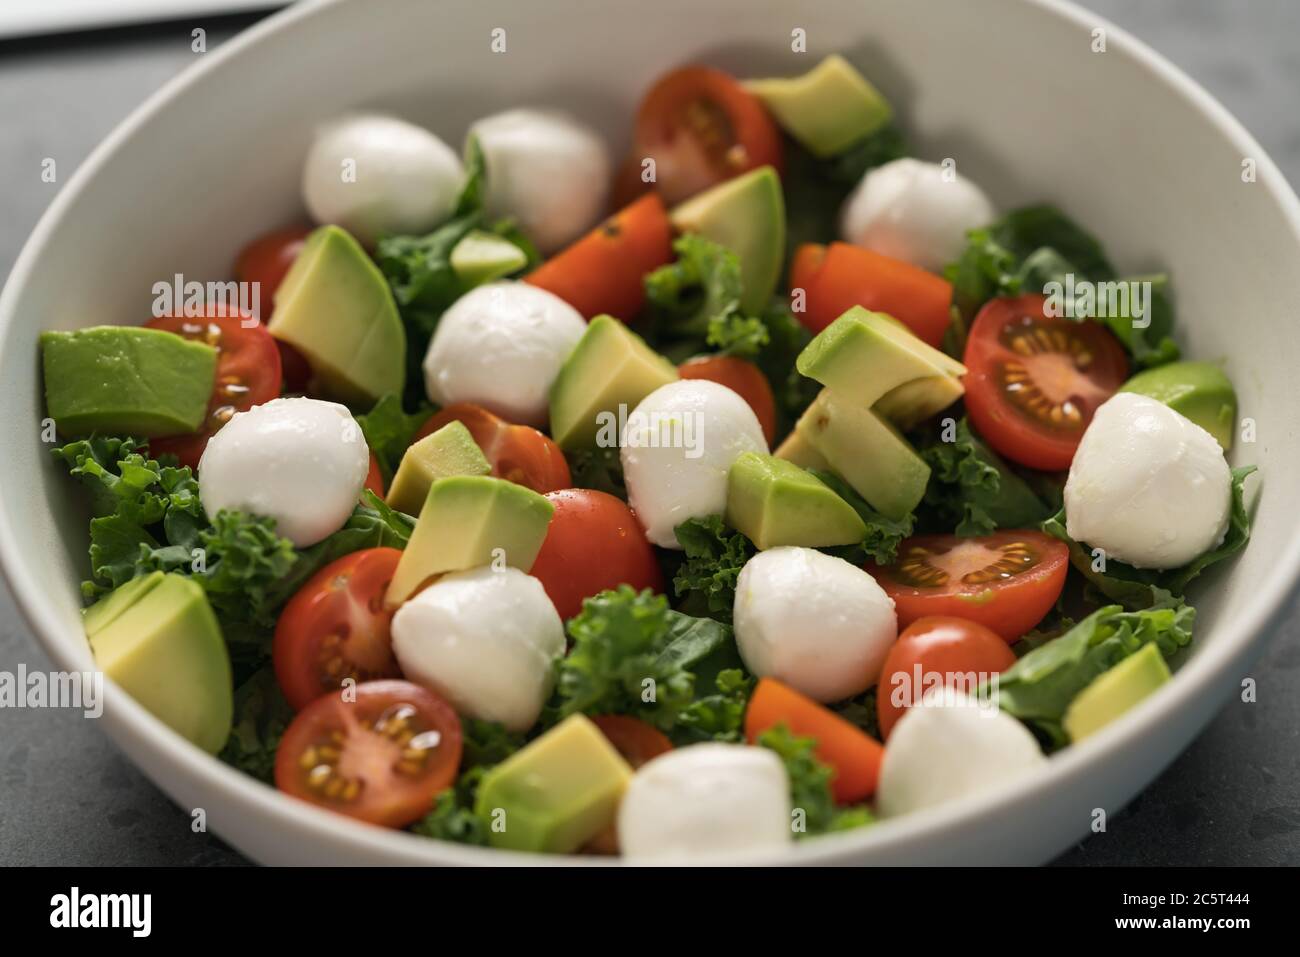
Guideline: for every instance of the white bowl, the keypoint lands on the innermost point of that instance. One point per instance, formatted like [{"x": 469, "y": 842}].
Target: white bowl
[{"x": 1011, "y": 88}]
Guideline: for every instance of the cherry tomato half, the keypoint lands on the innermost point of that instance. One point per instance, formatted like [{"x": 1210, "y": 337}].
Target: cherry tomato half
[
  {"x": 742, "y": 377},
  {"x": 265, "y": 261},
  {"x": 604, "y": 272},
  {"x": 381, "y": 758},
  {"x": 248, "y": 373},
  {"x": 937, "y": 651},
  {"x": 1006, "y": 581},
  {"x": 701, "y": 127},
  {"x": 336, "y": 627},
  {"x": 594, "y": 542},
  {"x": 1036, "y": 380},
  {"x": 518, "y": 453}
]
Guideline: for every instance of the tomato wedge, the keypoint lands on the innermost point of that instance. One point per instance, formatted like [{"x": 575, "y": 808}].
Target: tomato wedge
[
  {"x": 1006, "y": 581},
  {"x": 838, "y": 277},
  {"x": 1036, "y": 380},
  {"x": 853, "y": 754},
  {"x": 932, "y": 652},
  {"x": 335, "y": 627},
  {"x": 265, "y": 261},
  {"x": 381, "y": 758},
  {"x": 375, "y": 478},
  {"x": 248, "y": 373},
  {"x": 604, "y": 272},
  {"x": 594, "y": 542},
  {"x": 518, "y": 453},
  {"x": 701, "y": 127}
]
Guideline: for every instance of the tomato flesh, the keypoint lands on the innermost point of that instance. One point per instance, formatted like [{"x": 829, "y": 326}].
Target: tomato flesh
[
  {"x": 248, "y": 373},
  {"x": 1035, "y": 380},
  {"x": 944, "y": 652},
  {"x": 701, "y": 127},
  {"x": 381, "y": 758},
  {"x": 594, "y": 542},
  {"x": 336, "y": 628},
  {"x": 518, "y": 453},
  {"x": 1007, "y": 581},
  {"x": 742, "y": 377}
]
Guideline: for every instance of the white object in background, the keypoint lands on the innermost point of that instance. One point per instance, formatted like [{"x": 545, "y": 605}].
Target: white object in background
[{"x": 26, "y": 18}]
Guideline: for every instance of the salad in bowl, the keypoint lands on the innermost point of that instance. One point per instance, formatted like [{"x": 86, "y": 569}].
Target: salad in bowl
[{"x": 765, "y": 482}]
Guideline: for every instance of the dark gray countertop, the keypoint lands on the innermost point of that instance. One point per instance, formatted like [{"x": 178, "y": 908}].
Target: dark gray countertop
[{"x": 68, "y": 797}]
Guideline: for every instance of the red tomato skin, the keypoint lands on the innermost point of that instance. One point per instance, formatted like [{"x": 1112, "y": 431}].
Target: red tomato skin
[
  {"x": 374, "y": 477},
  {"x": 942, "y": 646},
  {"x": 637, "y": 741},
  {"x": 266, "y": 261},
  {"x": 1009, "y": 609},
  {"x": 594, "y": 542},
  {"x": 345, "y": 597},
  {"x": 518, "y": 453}
]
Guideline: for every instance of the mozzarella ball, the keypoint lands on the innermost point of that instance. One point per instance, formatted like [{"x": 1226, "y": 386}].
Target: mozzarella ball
[
  {"x": 951, "y": 746},
  {"x": 545, "y": 170},
  {"x": 914, "y": 211},
  {"x": 677, "y": 447},
  {"x": 501, "y": 346},
  {"x": 1147, "y": 486},
  {"x": 375, "y": 175},
  {"x": 302, "y": 462},
  {"x": 817, "y": 623},
  {"x": 706, "y": 799},
  {"x": 486, "y": 640}
]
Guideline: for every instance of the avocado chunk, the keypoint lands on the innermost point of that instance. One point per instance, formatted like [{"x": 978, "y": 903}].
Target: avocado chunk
[
  {"x": 158, "y": 639},
  {"x": 468, "y": 521},
  {"x": 1115, "y": 691},
  {"x": 747, "y": 216},
  {"x": 1200, "y": 391},
  {"x": 610, "y": 366},
  {"x": 449, "y": 451},
  {"x": 867, "y": 452},
  {"x": 774, "y": 502},
  {"x": 555, "y": 794},
  {"x": 865, "y": 355},
  {"x": 795, "y": 449},
  {"x": 828, "y": 109},
  {"x": 911, "y": 403},
  {"x": 482, "y": 256},
  {"x": 334, "y": 306},
  {"x": 126, "y": 380}
]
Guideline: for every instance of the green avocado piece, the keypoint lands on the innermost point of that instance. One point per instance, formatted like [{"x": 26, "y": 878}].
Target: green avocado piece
[
  {"x": 1198, "y": 390},
  {"x": 126, "y": 380},
  {"x": 610, "y": 366},
  {"x": 555, "y": 794},
  {"x": 796, "y": 449},
  {"x": 158, "y": 639},
  {"x": 865, "y": 355},
  {"x": 746, "y": 215},
  {"x": 867, "y": 452},
  {"x": 449, "y": 451},
  {"x": 482, "y": 257},
  {"x": 334, "y": 306},
  {"x": 774, "y": 502},
  {"x": 469, "y": 521},
  {"x": 1115, "y": 691},
  {"x": 828, "y": 109},
  {"x": 908, "y": 405}
]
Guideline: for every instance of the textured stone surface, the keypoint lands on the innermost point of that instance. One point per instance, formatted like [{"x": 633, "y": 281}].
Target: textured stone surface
[{"x": 68, "y": 797}]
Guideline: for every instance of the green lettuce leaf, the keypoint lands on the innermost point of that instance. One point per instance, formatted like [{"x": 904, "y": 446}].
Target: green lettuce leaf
[
  {"x": 599, "y": 468},
  {"x": 706, "y": 581},
  {"x": 810, "y": 786},
  {"x": 695, "y": 301},
  {"x": 1032, "y": 246},
  {"x": 1138, "y": 588},
  {"x": 972, "y": 490},
  {"x": 1039, "y": 687},
  {"x": 485, "y": 744},
  {"x": 261, "y": 717}
]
